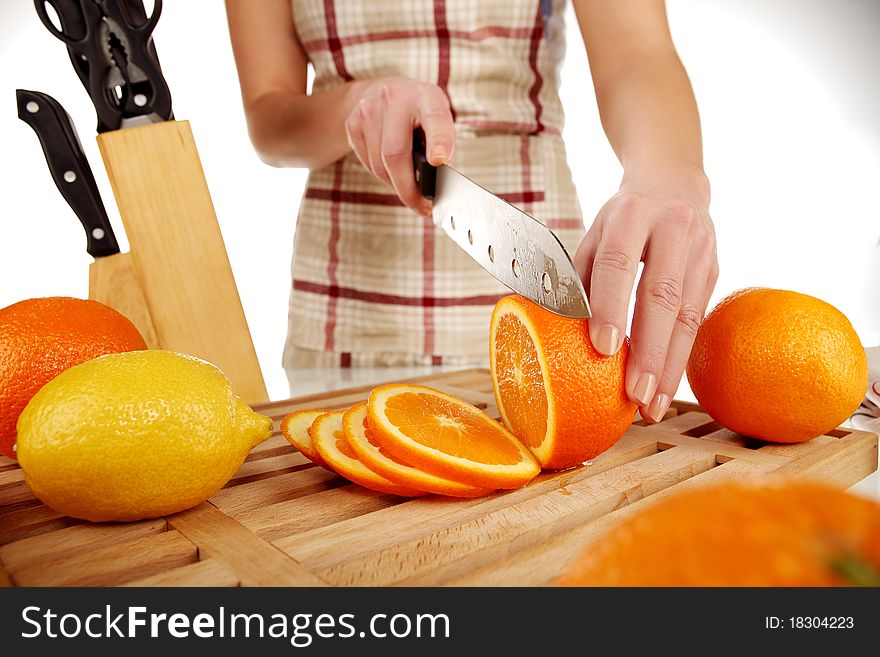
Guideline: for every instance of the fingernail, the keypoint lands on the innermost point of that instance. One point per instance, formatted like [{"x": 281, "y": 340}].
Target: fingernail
[
  {"x": 645, "y": 386},
  {"x": 659, "y": 407},
  {"x": 438, "y": 153},
  {"x": 607, "y": 340},
  {"x": 425, "y": 211}
]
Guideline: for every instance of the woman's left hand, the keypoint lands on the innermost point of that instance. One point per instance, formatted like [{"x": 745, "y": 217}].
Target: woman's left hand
[{"x": 666, "y": 225}]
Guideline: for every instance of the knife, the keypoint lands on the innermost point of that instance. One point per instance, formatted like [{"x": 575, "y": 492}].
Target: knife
[
  {"x": 157, "y": 178},
  {"x": 69, "y": 167},
  {"x": 513, "y": 246},
  {"x": 112, "y": 279}
]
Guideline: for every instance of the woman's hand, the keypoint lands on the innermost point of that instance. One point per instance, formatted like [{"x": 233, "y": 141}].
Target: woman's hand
[
  {"x": 671, "y": 232},
  {"x": 380, "y": 128}
]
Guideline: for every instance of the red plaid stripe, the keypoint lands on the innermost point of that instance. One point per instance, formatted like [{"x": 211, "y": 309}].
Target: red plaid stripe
[
  {"x": 333, "y": 42},
  {"x": 339, "y": 292},
  {"x": 333, "y": 257},
  {"x": 535, "y": 43},
  {"x": 479, "y": 34},
  {"x": 526, "y": 164},
  {"x": 372, "y": 198}
]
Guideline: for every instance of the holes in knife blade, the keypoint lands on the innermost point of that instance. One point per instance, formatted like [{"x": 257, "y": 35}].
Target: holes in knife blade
[
  {"x": 515, "y": 266},
  {"x": 470, "y": 237},
  {"x": 546, "y": 282},
  {"x": 452, "y": 222},
  {"x": 491, "y": 254}
]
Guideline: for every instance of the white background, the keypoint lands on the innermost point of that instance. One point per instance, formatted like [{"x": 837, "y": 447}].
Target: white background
[{"x": 788, "y": 92}]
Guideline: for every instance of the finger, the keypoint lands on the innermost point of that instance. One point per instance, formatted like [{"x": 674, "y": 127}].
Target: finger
[
  {"x": 658, "y": 301},
  {"x": 613, "y": 271},
  {"x": 372, "y": 129},
  {"x": 435, "y": 117},
  {"x": 396, "y": 151},
  {"x": 586, "y": 253},
  {"x": 698, "y": 284}
]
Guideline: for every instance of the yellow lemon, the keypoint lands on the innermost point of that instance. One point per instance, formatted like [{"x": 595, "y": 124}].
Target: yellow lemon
[{"x": 135, "y": 435}]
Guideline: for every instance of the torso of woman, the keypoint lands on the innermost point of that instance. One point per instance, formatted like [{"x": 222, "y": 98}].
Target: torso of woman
[{"x": 373, "y": 282}]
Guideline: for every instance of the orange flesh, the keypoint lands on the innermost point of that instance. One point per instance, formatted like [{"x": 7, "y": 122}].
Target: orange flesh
[
  {"x": 343, "y": 446},
  {"x": 295, "y": 428},
  {"x": 441, "y": 425},
  {"x": 394, "y": 469},
  {"x": 521, "y": 381},
  {"x": 375, "y": 443}
]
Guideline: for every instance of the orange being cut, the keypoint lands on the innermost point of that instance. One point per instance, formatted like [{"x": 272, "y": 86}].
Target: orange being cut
[
  {"x": 554, "y": 391},
  {"x": 378, "y": 459},
  {"x": 447, "y": 437},
  {"x": 295, "y": 427},
  {"x": 328, "y": 438}
]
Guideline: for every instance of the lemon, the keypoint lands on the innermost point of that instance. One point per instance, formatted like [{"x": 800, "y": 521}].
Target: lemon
[{"x": 135, "y": 435}]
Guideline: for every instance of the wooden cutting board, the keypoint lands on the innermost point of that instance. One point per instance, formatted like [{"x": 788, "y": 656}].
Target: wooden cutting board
[{"x": 283, "y": 521}]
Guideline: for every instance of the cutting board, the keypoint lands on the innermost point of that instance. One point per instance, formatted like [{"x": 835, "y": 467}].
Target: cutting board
[{"x": 283, "y": 521}]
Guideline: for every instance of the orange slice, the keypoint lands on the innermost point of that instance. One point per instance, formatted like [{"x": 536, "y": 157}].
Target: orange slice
[
  {"x": 447, "y": 437},
  {"x": 328, "y": 438},
  {"x": 378, "y": 459},
  {"x": 295, "y": 427},
  {"x": 554, "y": 391}
]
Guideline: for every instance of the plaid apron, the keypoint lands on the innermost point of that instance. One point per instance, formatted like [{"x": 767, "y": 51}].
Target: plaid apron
[{"x": 375, "y": 284}]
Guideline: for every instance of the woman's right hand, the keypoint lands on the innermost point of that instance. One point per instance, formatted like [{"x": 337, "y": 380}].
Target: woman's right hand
[{"x": 380, "y": 128}]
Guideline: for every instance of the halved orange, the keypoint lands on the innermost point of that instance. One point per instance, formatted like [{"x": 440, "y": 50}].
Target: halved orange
[
  {"x": 378, "y": 459},
  {"x": 295, "y": 427},
  {"x": 447, "y": 437},
  {"x": 328, "y": 438},
  {"x": 554, "y": 391}
]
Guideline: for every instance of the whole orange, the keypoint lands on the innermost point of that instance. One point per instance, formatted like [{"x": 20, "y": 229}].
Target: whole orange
[
  {"x": 563, "y": 399},
  {"x": 777, "y": 365},
  {"x": 40, "y": 338},
  {"x": 783, "y": 533}
]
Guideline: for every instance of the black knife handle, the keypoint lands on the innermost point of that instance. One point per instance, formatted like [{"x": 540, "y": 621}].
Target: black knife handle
[
  {"x": 426, "y": 173},
  {"x": 148, "y": 94},
  {"x": 84, "y": 31},
  {"x": 69, "y": 167}
]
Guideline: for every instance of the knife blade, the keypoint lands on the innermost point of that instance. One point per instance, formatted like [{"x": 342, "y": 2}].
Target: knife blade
[
  {"x": 513, "y": 246},
  {"x": 69, "y": 167}
]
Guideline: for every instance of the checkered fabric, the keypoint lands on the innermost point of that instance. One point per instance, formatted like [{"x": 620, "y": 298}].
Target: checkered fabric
[{"x": 373, "y": 282}]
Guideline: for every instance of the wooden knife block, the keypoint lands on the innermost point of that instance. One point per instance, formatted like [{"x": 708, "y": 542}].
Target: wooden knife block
[
  {"x": 114, "y": 282},
  {"x": 177, "y": 251}
]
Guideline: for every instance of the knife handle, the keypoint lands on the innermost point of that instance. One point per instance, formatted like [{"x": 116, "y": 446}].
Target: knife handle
[
  {"x": 426, "y": 173},
  {"x": 69, "y": 167}
]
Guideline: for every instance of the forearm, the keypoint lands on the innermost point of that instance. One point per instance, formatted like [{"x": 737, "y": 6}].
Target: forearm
[
  {"x": 290, "y": 129},
  {"x": 650, "y": 117}
]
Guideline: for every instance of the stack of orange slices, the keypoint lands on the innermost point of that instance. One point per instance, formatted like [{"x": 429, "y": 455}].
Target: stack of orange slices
[
  {"x": 411, "y": 440},
  {"x": 561, "y": 403}
]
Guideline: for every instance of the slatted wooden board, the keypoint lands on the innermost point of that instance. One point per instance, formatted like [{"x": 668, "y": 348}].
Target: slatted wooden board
[{"x": 283, "y": 521}]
